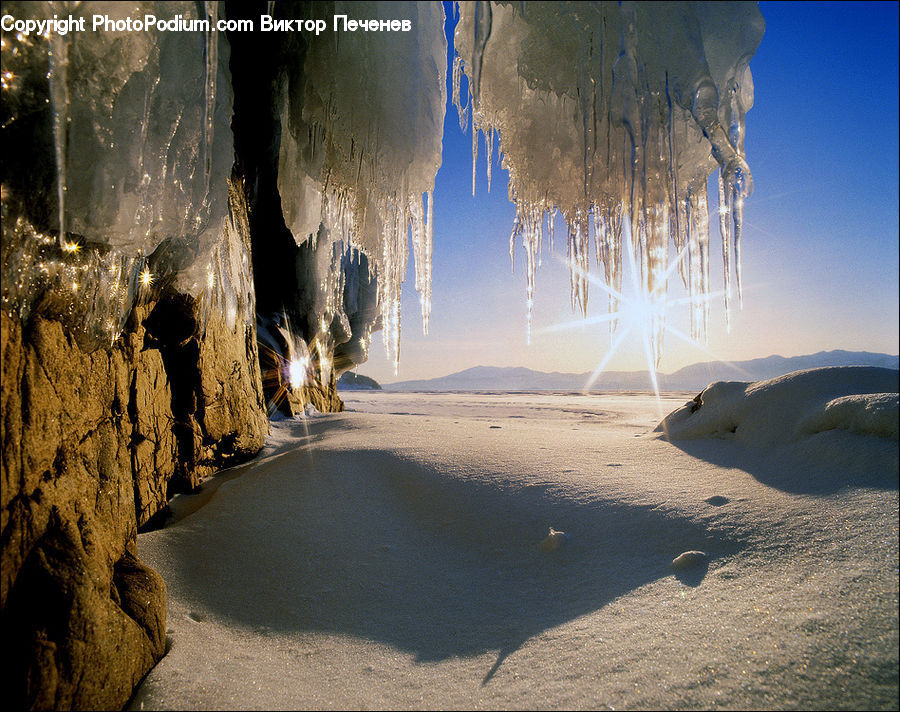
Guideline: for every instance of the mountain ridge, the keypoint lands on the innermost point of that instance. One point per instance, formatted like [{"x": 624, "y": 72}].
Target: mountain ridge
[{"x": 693, "y": 377}]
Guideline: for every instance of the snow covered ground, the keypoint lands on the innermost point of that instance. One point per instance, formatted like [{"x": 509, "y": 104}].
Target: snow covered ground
[{"x": 390, "y": 557}]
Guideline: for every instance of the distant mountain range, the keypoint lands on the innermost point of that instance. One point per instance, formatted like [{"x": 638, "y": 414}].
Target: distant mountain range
[{"x": 689, "y": 378}]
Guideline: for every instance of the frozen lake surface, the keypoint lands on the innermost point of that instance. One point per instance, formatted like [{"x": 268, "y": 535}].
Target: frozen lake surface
[{"x": 390, "y": 557}]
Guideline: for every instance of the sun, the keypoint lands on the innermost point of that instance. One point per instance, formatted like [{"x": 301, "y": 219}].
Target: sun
[
  {"x": 641, "y": 313},
  {"x": 297, "y": 371}
]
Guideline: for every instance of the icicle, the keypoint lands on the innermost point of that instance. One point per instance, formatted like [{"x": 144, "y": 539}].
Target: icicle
[
  {"x": 603, "y": 255},
  {"x": 59, "y": 100},
  {"x": 212, "y": 68},
  {"x": 516, "y": 229},
  {"x": 737, "y": 206},
  {"x": 474, "y": 152},
  {"x": 657, "y": 256},
  {"x": 541, "y": 210},
  {"x": 422, "y": 252},
  {"x": 489, "y": 155},
  {"x": 552, "y": 221},
  {"x": 429, "y": 251},
  {"x": 528, "y": 223},
  {"x": 529, "y": 242},
  {"x": 700, "y": 227},
  {"x": 692, "y": 272},
  {"x": 725, "y": 229},
  {"x": 577, "y": 252}
]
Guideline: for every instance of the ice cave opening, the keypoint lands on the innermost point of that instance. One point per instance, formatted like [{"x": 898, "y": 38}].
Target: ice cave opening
[
  {"x": 204, "y": 223},
  {"x": 280, "y": 178}
]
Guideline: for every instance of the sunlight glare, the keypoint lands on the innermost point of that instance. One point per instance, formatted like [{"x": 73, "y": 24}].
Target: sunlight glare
[
  {"x": 297, "y": 371},
  {"x": 642, "y": 311}
]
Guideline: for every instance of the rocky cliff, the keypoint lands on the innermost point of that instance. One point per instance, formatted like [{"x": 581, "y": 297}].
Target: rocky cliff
[
  {"x": 141, "y": 220},
  {"x": 94, "y": 443}
]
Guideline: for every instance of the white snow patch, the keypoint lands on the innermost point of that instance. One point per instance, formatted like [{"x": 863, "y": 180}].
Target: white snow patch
[
  {"x": 859, "y": 399},
  {"x": 866, "y": 414},
  {"x": 387, "y": 558}
]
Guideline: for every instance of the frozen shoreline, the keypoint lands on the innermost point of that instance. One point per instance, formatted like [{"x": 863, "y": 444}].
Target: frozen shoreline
[{"x": 389, "y": 557}]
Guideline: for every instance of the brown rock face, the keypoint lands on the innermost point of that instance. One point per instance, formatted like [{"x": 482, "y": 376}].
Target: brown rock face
[
  {"x": 324, "y": 398},
  {"x": 83, "y": 634},
  {"x": 93, "y": 445},
  {"x": 95, "y": 435}
]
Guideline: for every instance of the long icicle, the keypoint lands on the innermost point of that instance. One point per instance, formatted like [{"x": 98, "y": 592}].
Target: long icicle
[{"x": 59, "y": 99}]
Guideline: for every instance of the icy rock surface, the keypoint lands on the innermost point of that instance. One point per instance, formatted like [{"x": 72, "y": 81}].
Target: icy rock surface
[
  {"x": 360, "y": 148},
  {"x": 143, "y": 151},
  {"x": 615, "y": 115}
]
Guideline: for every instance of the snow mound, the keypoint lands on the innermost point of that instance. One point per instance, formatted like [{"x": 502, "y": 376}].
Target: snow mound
[
  {"x": 858, "y": 399},
  {"x": 866, "y": 414}
]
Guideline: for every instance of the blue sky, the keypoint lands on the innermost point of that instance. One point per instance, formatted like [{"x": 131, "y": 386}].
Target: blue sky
[{"x": 821, "y": 229}]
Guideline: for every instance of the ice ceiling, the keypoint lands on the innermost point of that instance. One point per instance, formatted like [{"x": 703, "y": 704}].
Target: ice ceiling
[
  {"x": 612, "y": 115},
  {"x": 615, "y": 115}
]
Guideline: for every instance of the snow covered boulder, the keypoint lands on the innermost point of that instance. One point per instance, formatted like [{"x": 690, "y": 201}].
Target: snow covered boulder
[
  {"x": 858, "y": 399},
  {"x": 865, "y": 413}
]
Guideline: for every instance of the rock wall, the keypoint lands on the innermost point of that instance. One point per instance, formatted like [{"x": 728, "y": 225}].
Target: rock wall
[
  {"x": 129, "y": 367},
  {"x": 93, "y": 445},
  {"x": 72, "y": 636},
  {"x": 142, "y": 237}
]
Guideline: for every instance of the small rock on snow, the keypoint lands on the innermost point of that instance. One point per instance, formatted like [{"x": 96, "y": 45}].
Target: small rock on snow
[
  {"x": 689, "y": 559},
  {"x": 554, "y": 540}
]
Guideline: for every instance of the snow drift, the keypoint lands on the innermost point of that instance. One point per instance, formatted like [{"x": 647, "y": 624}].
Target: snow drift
[{"x": 857, "y": 399}]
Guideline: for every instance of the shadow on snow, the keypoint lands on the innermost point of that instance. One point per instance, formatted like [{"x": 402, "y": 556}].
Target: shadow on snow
[
  {"x": 820, "y": 464},
  {"x": 367, "y": 544}
]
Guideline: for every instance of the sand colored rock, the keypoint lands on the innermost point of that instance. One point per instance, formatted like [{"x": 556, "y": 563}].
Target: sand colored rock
[
  {"x": 83, "y": 633},
  {"x": 93, "y": 445},
  {"x": 689, "y": 559}
]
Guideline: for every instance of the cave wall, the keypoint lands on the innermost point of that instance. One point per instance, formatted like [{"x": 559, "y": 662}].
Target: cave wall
[
  {"x": 131, "y": 365},
  {"x": 117, "y": 391},
  {"x": 93, "y": 445}
]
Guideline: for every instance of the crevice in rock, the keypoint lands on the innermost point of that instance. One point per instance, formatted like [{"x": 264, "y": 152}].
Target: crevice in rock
[
  {"x": 172, "y": 328},
  {"x": 261, "y": 68}
]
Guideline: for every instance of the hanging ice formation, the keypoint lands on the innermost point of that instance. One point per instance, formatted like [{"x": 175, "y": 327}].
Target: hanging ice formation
[
  {"x": 143, "y": 152},
  {"x": 360, "y": 148},
  {"x": 616, "y": 114},
  {"x": 612, "y": 114}
]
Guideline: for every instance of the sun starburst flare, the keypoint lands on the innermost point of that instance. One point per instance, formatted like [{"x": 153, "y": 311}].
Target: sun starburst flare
[
  {"x": 298, "y": 371},
  {"x": 642, "y": 312}
]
